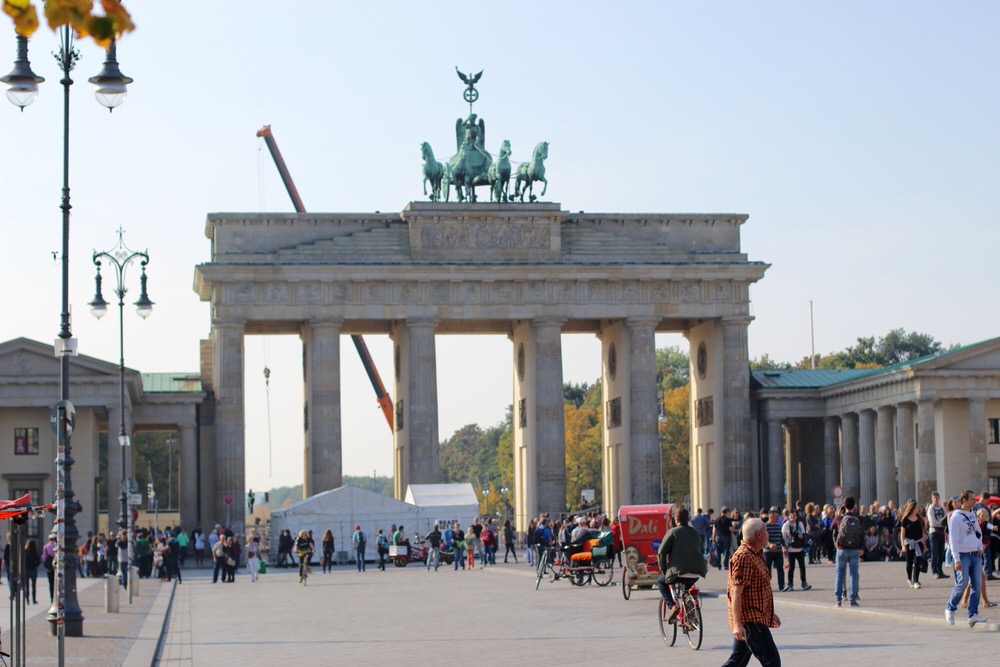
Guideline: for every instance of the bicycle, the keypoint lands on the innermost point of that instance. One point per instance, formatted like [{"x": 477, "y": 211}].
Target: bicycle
[
  {"x": 304, "y": 568},
  {"x": 688, "y": 620},
  {"x": 545, "y": 564}
]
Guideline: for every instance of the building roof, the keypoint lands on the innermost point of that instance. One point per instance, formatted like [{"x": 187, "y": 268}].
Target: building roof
[
  {"x": 808, "y": 379},
  {"x": 818, "y": 379},
  {"x": 171, "y": 383},
  {"x": 441, "y": 495}
]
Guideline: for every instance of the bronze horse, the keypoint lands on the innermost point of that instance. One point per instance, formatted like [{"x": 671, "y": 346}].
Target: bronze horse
[
  {"x": 499, "y": 174},
  {"x": 532, "y": 171},
  {"x": 433, "y": 172}
]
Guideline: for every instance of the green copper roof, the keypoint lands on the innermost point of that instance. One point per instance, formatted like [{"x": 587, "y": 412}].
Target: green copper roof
[
  {"x": 807, "y": 379},
  {"x": 171, "y": 383}
]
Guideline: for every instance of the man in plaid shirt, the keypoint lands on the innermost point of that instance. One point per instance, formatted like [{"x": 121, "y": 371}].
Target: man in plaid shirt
[{"x": 751, "y": 603}]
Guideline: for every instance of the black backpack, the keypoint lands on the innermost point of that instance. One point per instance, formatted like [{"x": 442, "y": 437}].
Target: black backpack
[{"x": 850, "y": 534}]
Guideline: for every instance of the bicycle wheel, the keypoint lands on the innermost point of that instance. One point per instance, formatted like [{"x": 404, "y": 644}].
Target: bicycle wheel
[
  {"x": 604, "y": 572},
  {"x": 580, "y": 578},
  {"x": 543, "y": 565},
  {"x": 693, "y": 625},
  {"x": 661, "y": 613},
  {"x": 626, "y": 587}
]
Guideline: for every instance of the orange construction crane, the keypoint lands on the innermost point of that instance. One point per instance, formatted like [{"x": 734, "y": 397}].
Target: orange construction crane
[{"x": 384, "y": 400}]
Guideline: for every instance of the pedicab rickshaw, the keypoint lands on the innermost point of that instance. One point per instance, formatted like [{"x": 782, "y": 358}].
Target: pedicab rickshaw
[{"x": 643, "y": 529}]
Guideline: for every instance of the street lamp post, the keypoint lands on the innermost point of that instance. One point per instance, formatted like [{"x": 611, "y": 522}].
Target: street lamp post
[
  {"x": 119, "y": 259},
  {"x": 170, "y": 473},
  {"x": 65, "y": 615}
]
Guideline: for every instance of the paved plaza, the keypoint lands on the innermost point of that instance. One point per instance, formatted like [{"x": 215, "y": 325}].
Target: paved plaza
[{"x": 408, "y": 614}]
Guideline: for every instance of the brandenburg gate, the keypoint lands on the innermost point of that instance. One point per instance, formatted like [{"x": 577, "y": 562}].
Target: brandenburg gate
[{"x": 531, "y": 271}]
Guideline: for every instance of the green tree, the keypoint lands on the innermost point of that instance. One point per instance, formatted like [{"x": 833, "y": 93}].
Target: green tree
[
  {"x": 674, "y": 365},
  {"x": 675, "y": 442},
  {"x": 895, "y": 347},
  {"x": 766, "y": 363},
  {"x": 575, "y": 393},
  {"x": 583, "y": 452}
]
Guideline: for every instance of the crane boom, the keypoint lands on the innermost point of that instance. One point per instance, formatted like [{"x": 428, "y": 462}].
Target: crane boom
[{"x": 384, "y": 400}]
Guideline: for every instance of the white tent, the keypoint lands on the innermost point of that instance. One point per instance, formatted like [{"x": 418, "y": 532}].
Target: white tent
[
  {"x": 340, "y": 510},
  {"x": 443, "y": 504}
]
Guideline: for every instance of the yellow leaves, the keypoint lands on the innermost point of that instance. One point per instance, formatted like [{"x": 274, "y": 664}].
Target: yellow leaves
[
  {"x": 78, "y": 14},
  {"x": 24, "y": 15}
]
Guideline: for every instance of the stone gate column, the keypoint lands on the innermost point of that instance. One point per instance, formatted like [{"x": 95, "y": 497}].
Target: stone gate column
[
  {"x": 323, "y": 446},
  {"x": 831, "y": 455},
  {"x": 866, "y": 449},
  {"x": 926, "y": 459},
  {"x": 885, "y": 457},
  {"x": 645, "y": 455},
  {"x": 188, "y": 458},
  {"x": 978, "y": 476},
  {"x": 230, "y": 449},
  {"x": 550, "y": 416},
  {"x": 906, "y": 454},
  {"x": 416, "y": 439},
  {"x": 793, "y": 463},
  {"x": 736, "y": 411},
  {"x": 851, "y": 461},
  {"x": 775, "y": 463}
]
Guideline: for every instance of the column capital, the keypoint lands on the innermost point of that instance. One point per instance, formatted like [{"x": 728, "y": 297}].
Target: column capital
[
  {"x": 421, "y": 323},
  {"x": 229, "y": 324},
  {"x": 325, "y": 322},
  {"x": 832, "y": 418},
  {"x": 736, "y": 320},
  {"x": 546, "y": 321},
  {"x": 643, "y": 321}
]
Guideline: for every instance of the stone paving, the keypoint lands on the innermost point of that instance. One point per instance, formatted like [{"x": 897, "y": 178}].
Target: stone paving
[{"x": 409, "y": 614}]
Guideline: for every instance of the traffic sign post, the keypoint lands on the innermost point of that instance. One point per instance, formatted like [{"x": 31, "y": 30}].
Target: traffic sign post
[{"x": 838, "y": 495}]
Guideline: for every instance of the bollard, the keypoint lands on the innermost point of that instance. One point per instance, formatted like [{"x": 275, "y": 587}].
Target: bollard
[
  {"x": 111, "y": 594},
  {"x": 133, "y": 580}
]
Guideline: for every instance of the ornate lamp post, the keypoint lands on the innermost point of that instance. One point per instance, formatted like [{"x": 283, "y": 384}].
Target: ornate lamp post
[
  {"x": 119, "y": 258},
  {"x": 65, "y": 615},
  {"x": 171, "y": 441}
]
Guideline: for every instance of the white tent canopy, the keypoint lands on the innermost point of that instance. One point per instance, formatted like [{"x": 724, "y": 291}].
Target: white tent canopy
[
  {"x": 444, "y": 504},
  {"x": 340, "y": 510}
]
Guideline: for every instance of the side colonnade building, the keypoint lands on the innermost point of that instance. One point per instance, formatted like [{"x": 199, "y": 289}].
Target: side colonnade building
[{"x": 895, "y": 433}]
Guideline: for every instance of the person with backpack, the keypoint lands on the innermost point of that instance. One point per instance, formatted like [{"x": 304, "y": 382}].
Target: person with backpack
[
  {"x": 360, "y": 541},
  {"x": 793, "y": 533},
  {"x": 849, "y": 538},
  {"x": 382, "y": 546}
]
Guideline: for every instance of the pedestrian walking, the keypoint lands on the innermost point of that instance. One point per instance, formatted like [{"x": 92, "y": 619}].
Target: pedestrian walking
[
  {"x": 382, "y": 546},
  {"x": 775, "y": 548},
  {"x": 434, "y": 548},
  {"x": 848, "y": 537},
  {"x": 328, "y": 544},
  {"x": 937, "y": 526},
  {"x": 966, "y": 542},
  {"x": 508, "y": 541},
  {"x": 360, "y": 541},
  {"x": 751, "y": 602},
  {"x": 253, "y": 558},
  {"x": 722, "y": 537},
  {"x": 793, "y": 534},
  {"x": 913, "y": 541},
  {"x": 31, "y": 562}
]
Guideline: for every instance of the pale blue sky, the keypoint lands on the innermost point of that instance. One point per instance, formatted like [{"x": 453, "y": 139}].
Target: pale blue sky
[{"x": 861, "y": 138}]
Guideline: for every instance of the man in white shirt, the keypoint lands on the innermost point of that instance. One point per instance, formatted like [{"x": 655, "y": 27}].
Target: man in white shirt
[{"x": 966, "y": 542}]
